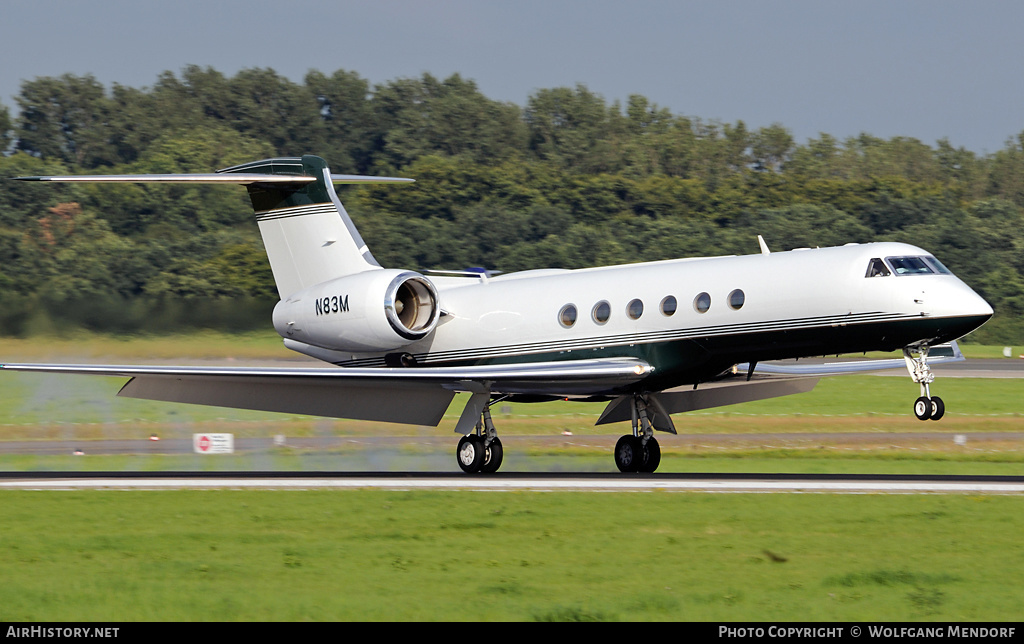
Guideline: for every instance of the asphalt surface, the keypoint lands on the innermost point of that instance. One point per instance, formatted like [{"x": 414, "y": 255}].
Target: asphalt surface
[
  {"x": 734, "y": 483},
  {"x": 445, "y": 442}
]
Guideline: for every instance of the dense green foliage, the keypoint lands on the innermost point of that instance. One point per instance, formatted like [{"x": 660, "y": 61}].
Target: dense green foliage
[{"x": 566, "y": 180}]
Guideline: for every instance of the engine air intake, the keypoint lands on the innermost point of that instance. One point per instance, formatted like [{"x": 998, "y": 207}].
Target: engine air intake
[{"x": 411, "y": 306}]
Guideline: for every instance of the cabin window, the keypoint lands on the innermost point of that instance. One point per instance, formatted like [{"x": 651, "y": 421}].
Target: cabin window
[
  {"x": 602, "y": 311},
  {"x": 635, "y": 309},
  {"x": 702, "y": 303},
  {"x": 909, "y": 265},
  {"x": 877, "y": 268},
  {"x": 567, "y": 316},
  {"x": 938, "y": 266},
  {"x": 736, "y": 299},
  {"x": 668, "y": 306}
]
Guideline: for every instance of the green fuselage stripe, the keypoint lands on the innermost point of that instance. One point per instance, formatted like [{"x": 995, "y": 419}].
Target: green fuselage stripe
[{"x": 698, "y": 355}]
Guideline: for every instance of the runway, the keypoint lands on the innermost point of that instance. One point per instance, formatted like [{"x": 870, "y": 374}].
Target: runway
[
  {"x": 513, "y": 481},
  {"x": 443, "y": 442}
]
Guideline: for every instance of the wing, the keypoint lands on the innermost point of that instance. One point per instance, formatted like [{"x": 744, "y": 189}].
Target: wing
[
  {"x": 417, "y": 395},
  {"x": 729, "y": 391}
]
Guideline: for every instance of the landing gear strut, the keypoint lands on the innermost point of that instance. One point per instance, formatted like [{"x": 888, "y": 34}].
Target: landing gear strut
[
  {"x": 927, "y": 407},
  {"x": 480, "y": 451},
  {"x": 639, "y": 451}
]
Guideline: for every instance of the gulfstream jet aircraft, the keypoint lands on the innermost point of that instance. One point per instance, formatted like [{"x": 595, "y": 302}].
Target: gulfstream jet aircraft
[{"x": 650, "y": 339}]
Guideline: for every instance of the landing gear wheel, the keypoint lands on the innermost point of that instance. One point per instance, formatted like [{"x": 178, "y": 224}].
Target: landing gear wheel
[
  {"x": 470, "y": 453},
  {"x": 628, "y": 454},
  {"x": 492, "y": 457},
  {"x": 938, "y": 408},
  {"x": 923, "y": 408},
  {"x": 651, "y": 453}
]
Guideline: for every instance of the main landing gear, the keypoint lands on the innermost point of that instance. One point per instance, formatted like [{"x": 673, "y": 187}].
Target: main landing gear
[
  {"x": 927, "y": 407},
  {"x": 639, "y": 451},
  {"x": 480, "y": 451}
]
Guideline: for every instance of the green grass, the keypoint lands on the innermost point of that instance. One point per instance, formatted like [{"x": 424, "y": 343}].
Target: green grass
[
  {"x": 526, "y": 556},
  {"x": 973, "y": 351},
  {"x": 376, "y": 555},
  {"x": 85, "y": 346}
]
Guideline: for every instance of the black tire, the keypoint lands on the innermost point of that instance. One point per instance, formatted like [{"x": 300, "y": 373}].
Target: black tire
[
  {"x": 628, "y": 456},
  {"x": 923, "y": 408},
  {"x": 651, "y": 453},
  {"x": 938, "y": 408},
  {"x": 470, "y": 453},
  {"x": 492, "y": 457}
]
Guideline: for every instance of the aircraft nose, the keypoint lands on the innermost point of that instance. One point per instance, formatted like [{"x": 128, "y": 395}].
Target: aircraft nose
[
  {"x": 984, "y": 308},
  {"x": 954, "y": 299},
  {"x": 970, "y": 306}
]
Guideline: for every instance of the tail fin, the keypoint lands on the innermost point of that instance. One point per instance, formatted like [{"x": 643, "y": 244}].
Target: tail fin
[{"x": 307, "y": 233}]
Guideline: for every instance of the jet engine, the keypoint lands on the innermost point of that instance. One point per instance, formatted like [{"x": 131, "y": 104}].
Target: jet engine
[{"x": 373, "y": 311}]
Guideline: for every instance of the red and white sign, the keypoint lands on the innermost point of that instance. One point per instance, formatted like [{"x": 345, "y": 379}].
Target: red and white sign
[{"x": 213, "y": 443}]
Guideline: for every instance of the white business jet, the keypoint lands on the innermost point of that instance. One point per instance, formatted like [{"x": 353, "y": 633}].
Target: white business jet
[{"x": 650, "y": 339}]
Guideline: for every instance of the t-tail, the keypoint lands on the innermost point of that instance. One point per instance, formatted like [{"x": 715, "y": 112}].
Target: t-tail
[{"x": 308, "y": 235}]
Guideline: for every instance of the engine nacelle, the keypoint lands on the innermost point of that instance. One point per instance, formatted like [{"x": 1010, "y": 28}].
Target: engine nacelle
[{"x": 373, "y": 311}]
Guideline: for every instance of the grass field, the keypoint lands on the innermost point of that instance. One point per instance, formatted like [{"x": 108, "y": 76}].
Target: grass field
[
  {"x": 464, "y": 556},
  {"x": 521, "y": 556},
  {"x": 75, "y": 411}
]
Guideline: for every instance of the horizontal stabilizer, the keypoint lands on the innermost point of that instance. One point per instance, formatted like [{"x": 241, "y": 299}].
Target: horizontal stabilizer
[
  {"x": 308, "y": 235},
  {"x": 215, "y": 177}
]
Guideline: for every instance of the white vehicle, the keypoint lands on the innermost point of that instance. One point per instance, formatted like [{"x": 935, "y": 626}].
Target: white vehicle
[{"x": 650, "y": 339}]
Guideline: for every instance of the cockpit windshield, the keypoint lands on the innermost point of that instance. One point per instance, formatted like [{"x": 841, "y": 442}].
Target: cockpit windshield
[
  {"x": 938, "y": 266},
  {"x": 916, "y": 265},
  {"x": 923, "y": 265},
  {"x": 909, "y": 265}
]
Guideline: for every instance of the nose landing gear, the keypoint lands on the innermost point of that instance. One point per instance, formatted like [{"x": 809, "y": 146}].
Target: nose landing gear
[{"x": 927, "y": 407}]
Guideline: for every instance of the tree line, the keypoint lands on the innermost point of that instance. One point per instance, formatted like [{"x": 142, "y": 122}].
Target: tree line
[{"x": 566, "y": 180}]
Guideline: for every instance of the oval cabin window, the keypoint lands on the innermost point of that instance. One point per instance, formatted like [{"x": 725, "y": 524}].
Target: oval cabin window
[
  {"x": 567, "y": 316},
  {"x": 668, "y": 306},
  {"x": 702, "y": 303},
  {"x": 635, "y": 309},
  {"x": 736, "y": 299}
]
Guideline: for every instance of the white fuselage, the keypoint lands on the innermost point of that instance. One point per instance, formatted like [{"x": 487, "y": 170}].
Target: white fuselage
[{"x": 796, "y": 303}]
